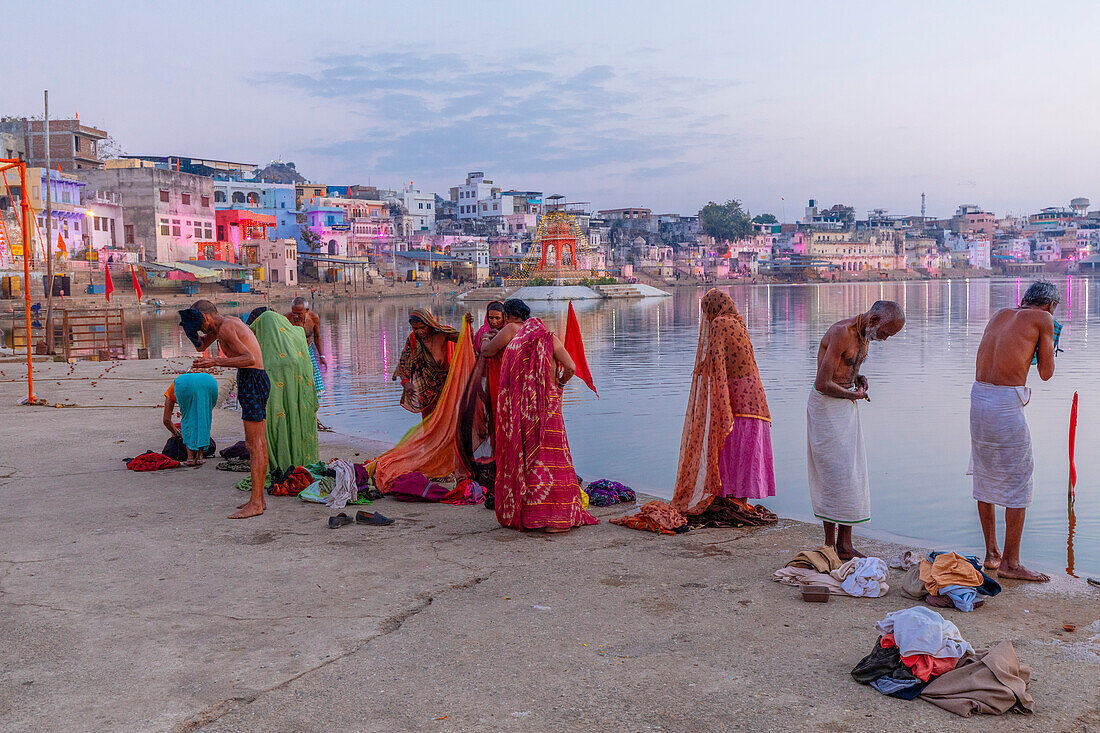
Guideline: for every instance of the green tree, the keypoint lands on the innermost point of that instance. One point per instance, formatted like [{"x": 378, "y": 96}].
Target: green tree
[
  {"x": 764, "y": 219},
  {"x": 311, "y": 239},
  {"x": 725, "y": 222}
]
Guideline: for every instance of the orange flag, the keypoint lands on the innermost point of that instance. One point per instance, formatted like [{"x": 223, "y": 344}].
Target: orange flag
[
  {"x": 575, "y": 346},
  {"x": 109, "y": 285},
  {"x": 61, "y": 244},
  {"x": 137, "y": 285}
]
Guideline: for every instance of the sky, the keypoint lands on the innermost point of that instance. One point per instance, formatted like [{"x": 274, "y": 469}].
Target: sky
[{"x": 652, "y": 104}]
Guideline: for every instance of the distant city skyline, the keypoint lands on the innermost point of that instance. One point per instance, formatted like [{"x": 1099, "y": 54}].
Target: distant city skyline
[{"x": 624, "y": 104}]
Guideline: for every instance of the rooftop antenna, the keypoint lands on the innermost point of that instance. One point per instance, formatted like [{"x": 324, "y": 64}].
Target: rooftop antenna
[{"x": 922, "y": 208}]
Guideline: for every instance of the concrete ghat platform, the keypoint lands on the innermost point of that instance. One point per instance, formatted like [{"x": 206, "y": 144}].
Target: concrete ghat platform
[{"x": 129, "y": 602}]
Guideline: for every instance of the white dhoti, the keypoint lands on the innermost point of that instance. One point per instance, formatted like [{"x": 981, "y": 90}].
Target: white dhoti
[
  {"x": 836, "y": 460},
  {"x": 1000, "y": 445}
]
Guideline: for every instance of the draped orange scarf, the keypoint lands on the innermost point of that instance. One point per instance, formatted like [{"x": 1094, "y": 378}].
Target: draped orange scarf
[{"x": 724, "y": 385}]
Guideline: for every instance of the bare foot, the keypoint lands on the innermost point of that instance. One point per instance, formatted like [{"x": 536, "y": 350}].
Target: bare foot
[
  {"x": 188, "y": 463},
  {"x": 992, "y": 560},
  {"x": 555, "y": 530},
  {"x": 743, "y": 505},
  {"x": 248, "y": 510},
  {"x": 847, "y": 553},
  {"x": 1019, "y": 572}
]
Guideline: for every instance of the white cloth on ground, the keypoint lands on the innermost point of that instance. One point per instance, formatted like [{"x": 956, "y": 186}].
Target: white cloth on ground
[
  {"x": 860, "y": 577},
  {"x": 1001, "y": 459},
  {"x": 836, "y": 459},
  {"x": 920, "y": 630},
  {"x": 907, "y": 559},
  {"x": 863, "y": 577},
  {"x": 345, "y": 488}
]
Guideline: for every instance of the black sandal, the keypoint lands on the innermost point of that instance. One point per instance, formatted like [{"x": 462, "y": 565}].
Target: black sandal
[{"x": 339, "y": 521}]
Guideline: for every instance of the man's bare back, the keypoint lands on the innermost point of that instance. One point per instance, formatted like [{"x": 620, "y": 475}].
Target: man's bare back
[
  {"x": 237, "y": 343},
  {"x": 1010, "y": 341}
]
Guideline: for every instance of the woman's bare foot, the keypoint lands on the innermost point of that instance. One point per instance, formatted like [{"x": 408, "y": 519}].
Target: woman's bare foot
[
  {"x": 248, "y": 510},
  {"x": 555, "y": 530},
  {"x": 188, "y": 463},
  {"x": 1019, "y": 572},
  {"x": 992, "y": 560}
]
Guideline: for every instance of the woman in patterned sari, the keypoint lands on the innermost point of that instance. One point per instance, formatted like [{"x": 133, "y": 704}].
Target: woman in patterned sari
[
  {"x": 536, "y": 486},
  {"x": 726, "y": 447}
]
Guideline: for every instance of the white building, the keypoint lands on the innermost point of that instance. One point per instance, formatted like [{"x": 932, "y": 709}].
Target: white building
[
  {"x": 979, "y": 248},
  {"x": 476, "y": 188},
  {"x": 104, "y": 228},
  {"x": 421, "y": 208},
  {"x": 475, "y": 252}
]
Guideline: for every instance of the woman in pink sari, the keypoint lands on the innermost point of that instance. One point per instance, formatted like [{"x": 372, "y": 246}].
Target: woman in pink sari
[{"x": 536, "y": 486}]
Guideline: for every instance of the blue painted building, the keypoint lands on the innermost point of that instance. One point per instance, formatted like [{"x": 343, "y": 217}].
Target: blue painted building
[{"x": 272, "y": 199}]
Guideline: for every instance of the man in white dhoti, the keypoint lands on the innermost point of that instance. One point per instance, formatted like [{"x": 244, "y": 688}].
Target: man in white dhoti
[
  {"x": 837, "y": 463},
  {"x": 1000, "y": 442}
]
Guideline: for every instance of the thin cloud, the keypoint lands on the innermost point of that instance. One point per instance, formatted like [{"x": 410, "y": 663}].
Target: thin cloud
[{"x": 419, "y": 112}]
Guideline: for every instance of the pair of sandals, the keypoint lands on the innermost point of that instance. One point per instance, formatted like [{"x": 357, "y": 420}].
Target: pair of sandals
[{"x": 375, "y": 518}]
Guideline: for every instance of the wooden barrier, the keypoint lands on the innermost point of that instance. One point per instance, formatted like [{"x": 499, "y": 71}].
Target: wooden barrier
[{"x": 90, "y": 333}]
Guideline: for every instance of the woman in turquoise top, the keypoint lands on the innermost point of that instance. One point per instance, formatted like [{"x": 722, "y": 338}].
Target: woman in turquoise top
[{"x": 196, "y": 393}]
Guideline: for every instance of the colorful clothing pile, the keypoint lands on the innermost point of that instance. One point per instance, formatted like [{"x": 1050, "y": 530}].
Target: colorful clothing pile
[
  {"x": 920, "y": 654},
  {"x": 654, "y": 516},
  {"x": 151, "y": 461},
  {"x": 724, "y": 513},
  {"x": 947, "y": 579},
  {"x": 606, "y": 493},
  {"x": 293, "y": 483},
  {"x": 465, "y": 492}
]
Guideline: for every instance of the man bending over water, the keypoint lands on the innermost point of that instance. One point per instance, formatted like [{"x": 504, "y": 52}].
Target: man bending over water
[
  {"x": 839, "y": 489},
  {"x": 240, "y": 349},
  {"x": 1000, "y": 441}
]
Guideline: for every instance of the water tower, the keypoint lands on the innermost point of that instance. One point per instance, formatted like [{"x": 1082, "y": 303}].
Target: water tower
[{"x": 1080, "y": 206}]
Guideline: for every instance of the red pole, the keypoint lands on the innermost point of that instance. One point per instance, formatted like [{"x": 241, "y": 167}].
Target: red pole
[{"x": 25, "y": 207}]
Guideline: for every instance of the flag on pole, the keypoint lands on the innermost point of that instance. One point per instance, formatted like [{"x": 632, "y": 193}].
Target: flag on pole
[
  {"x": 575, "y": 346},
  {"x": 61, "y": 248},
  {"x": 109, "y": 286},
  {"x": 137, "y": 285}
]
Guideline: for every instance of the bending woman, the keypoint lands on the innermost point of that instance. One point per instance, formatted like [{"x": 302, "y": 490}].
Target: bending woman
[
  {"x": 196, "y": 393},
  {"x": 536, "y": 486}
]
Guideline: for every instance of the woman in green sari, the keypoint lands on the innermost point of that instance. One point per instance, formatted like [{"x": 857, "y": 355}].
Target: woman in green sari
[{"x": 292, "y": 404}]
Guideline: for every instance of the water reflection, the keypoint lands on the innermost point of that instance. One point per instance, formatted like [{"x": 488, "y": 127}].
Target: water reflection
[{"x": 641, "y": 354}]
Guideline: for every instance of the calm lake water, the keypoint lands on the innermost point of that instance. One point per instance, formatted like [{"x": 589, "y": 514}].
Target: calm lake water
[{"x": 917, "y": 426}]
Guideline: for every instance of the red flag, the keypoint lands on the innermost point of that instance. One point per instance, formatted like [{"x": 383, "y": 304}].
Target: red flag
[
  {"x": 109, "y": 286},
  {"x": 575, "y": 346},
  {"x": 1072, "y": 445},
  {"x": 137, "y": 285},
  {"x": 61, "y": 244}
]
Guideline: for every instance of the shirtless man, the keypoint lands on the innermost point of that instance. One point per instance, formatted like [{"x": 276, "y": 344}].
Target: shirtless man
[
  {"x": 839, "y": 488},
  {"x": 301, "y": 315},
  {"x": 240, "y": 349},
  {"x": 1000, "y": 441}
]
